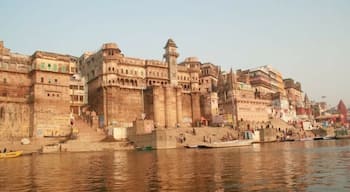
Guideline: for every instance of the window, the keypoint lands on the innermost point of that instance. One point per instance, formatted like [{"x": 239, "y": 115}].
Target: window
[
  {"x": 54, "y": 67},
  {"x": 63, "y": 69},
  {"x": 42, "y": 66},
  {"x": 42, "y": 80},
  {"x": 5, "y": 80},
  {"x": 2, "y": 113},
  {"x": 81, "y": 98},
  {"x": 81, "y": 87},
  {"x": 56, "y": 80}
]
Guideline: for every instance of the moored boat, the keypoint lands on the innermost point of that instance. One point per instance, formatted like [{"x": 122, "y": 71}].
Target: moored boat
[
  {"x": 328, "y": 137},
  {"x": 191, "y": 146},
  {"x": 234, "y": 143},
  {"x": 342, "y": 133},
  {"x": 146, "y": 148},
  {"x": 342, "y": 137},
  {"x": 10, "y": 154}
]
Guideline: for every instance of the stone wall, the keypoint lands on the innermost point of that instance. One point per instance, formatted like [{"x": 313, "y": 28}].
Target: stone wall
[
  {"x": 51, "y": 104},
  {"x": 187, "y": 109},
  {"x": 14, "y": 120},
  {"x": 15, "y": 109},
  {"x": 95, "y": 96},
  {"x": 164, "y": 105},
  {"x": 196, "y": 110},
  {"x": 123, "y": 105}
]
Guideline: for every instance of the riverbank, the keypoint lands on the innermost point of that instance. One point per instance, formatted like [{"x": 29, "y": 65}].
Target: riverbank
[{"x": 85, "y": 143}]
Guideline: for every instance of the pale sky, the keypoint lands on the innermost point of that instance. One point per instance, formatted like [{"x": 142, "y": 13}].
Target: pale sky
[{"x": 307, "y": 40}]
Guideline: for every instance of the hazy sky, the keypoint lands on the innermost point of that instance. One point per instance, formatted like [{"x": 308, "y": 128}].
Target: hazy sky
[{"x": 307, "y": 40}]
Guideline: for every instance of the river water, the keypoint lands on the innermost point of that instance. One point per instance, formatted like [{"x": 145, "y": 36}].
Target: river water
[{"x": 294, "y": 166}]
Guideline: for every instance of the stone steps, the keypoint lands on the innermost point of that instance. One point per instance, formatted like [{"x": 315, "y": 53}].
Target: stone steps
[{"x": 78, "y": 146}]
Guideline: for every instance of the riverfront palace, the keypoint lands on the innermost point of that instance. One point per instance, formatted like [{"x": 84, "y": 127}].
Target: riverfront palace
[{"x": 44, "y": 93}]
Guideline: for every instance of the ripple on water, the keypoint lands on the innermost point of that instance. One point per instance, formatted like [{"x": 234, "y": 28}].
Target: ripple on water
[{"x": 298, "y": 166}]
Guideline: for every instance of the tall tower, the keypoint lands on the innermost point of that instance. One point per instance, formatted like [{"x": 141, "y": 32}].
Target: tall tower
[{"x": 170, "y": 56}]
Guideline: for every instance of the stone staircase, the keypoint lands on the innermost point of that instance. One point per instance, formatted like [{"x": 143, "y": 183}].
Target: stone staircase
[
  {"x": 93, "y": 139},
  {"x": 87, "y": 133}
]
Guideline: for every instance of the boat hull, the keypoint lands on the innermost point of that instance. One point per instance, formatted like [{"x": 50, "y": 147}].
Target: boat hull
[
  {"x": 235, "y": 143},
  {"x": 10, "y": 154}
]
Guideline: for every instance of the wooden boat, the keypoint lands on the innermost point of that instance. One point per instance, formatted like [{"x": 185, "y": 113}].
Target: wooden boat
[
  {"x": 234, "y": 143},
  {"x": 10, "y": 154},
  {"x": 328, "y": 137},
  {"x": 342, "y": 133},
  {"x": 342, "y": 136},
  {"x": 191, "y": 146},
  {"x": 146, "y": 148}
]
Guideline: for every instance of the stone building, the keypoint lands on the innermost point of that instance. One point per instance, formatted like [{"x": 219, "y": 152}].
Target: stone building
[
  {"x": 51, "y": 73},
  {"x": 240, "y": 100},
  {"x": 122, "y": 89},
  {"x": 15, "y": 94},
  {"x": 40, "y": 93},
  {"x": 78, "y": 94},
  {"x": 266, "y": 79},
  {"x": 34, "y": 90}
]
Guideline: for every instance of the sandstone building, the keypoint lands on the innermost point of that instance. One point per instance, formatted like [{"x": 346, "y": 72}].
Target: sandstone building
[
  {"x": 123, "y": 89},
  {"x": 40, "y": 94},
  {"x": 34, "y": 91}
]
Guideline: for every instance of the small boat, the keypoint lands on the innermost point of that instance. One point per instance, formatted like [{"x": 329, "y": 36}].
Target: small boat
[
  {"x": 10, "y": 154},
  {"x": 342, "y": 137},
  {"x": 234, "y": 143},
  {"x": 318, "y": 138},
  {"x": 147, "y": 148},
  {"x": 328, "y": 137},
  {"x": 191, "y": 146},
  {"x": 342, "y": 133}
]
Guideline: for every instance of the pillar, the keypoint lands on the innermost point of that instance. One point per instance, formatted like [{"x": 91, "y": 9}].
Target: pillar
[
  {"x": 196, "y": 112},
  {"x": 178, "y": 106}
]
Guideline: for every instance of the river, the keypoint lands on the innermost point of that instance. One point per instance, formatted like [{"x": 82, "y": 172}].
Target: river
[{"x": 289, "y": 166}]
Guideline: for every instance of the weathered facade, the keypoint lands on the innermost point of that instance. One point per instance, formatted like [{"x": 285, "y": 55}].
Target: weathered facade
[
  {"x": 123, "y": 89},
  {"x": 40, "y": 93},
  {"x": 34, "y": 93}
]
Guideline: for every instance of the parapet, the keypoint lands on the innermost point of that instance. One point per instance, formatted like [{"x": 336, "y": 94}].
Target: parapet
[
  {"x": 191, "y": 59},
  {"x": 110, "y": 46}
]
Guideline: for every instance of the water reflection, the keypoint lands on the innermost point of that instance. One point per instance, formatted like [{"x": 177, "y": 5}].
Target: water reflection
[{"x": 297, "y": 166}]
